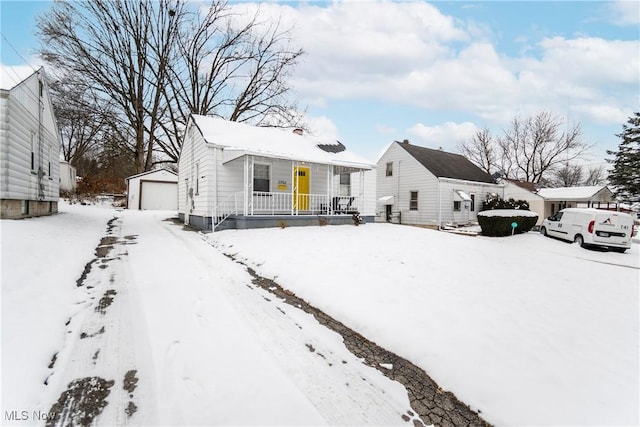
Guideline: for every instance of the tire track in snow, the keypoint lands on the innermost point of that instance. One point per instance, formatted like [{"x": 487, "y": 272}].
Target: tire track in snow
[{"x": 95, "y": 370}]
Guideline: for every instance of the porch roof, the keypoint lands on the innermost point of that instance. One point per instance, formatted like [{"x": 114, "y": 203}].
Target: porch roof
[{"x": 239, "y": 139}]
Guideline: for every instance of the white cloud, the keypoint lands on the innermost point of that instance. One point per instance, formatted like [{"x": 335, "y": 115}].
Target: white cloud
[
  {"x": 625, "y": 12},
  {"x": 446, "y": 136},
  {"x": 411, "y": 54}
]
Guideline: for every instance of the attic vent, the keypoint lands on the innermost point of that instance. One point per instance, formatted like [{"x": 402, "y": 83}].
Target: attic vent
[{"x": 298, "y": 131}]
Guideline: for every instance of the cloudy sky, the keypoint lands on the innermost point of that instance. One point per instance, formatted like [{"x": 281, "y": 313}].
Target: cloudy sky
[{"x": 435, "y": 72}]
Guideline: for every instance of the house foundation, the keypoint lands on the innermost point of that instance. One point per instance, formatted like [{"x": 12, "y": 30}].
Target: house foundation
[{"x": 17, "y": 209}]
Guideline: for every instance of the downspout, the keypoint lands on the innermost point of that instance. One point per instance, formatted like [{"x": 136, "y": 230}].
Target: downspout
[
  {"x": 439, "y": 205},
  {"x": 215, "y": 188}
]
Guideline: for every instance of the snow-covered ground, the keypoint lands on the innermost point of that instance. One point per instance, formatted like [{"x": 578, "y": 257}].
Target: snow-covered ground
[{"x": 529, "y": 330}]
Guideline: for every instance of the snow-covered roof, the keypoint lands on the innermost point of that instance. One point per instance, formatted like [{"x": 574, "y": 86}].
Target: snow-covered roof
[
  {"x": 572, "y": 193},
  {"x": 239, "y": 139},
  {"x": 12, "y": 75},
  {"x": 152, "y": 172}
]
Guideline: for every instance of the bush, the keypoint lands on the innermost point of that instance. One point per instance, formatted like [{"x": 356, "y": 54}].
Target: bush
[
  {"x": 498, "y": 203},
  {"x": 497, "y": 223}
]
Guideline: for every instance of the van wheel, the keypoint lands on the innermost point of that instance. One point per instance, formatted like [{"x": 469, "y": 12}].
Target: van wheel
[
  {"x": 579, "y": 240},
  {"x": 543, "y": 231}
]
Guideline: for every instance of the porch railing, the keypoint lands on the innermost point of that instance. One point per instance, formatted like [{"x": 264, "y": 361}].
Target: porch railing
[
  {"x": 229, "y": 206},
  {"x": 267, "y": 203},
  {"x": 288, "y": 203}
]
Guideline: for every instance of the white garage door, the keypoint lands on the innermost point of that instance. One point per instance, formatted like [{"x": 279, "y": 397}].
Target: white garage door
[{"x": 159, "y": 195}]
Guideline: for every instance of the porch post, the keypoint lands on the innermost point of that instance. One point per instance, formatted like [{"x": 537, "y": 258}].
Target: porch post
[
  {"x": 250, "y": 191},
  {"x": 330, "y": 201},
  {"x": 246, "y": 186},
  {"x": 361, "y": 195}
]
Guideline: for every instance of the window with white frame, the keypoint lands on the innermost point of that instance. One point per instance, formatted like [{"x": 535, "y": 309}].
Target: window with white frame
[
  {"x": 413, "y": 201},
  {"x": 456, "y": 205},
  {"x": 389, "y": 171},
  {"x": 345, "y": 184},
  {"x": 261, "y": 177}
]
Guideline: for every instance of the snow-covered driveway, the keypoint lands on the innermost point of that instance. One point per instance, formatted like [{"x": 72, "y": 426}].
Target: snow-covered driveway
[{"x": 165, "y": 330}]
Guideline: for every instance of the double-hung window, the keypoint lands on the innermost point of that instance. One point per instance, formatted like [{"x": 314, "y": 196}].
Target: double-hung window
[
  {"x": 389, "y": 171},
  {"x": 345, "y": 184},
  {"x": 261, "y": 178},
  {"x": 413, "y": 201}
]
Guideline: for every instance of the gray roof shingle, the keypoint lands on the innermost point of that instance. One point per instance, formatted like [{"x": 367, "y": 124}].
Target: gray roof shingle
[{"x": 446, "y": 165}]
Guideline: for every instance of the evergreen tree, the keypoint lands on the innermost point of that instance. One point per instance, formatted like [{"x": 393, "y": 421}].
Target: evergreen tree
[{"x": 625, "y": 175}]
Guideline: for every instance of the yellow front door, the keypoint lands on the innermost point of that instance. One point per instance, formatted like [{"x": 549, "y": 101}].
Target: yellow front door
[{"x": 301, "y": 187}]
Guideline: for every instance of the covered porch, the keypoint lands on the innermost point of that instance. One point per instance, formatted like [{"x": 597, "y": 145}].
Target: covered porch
[{"x": 285, "y": 192}]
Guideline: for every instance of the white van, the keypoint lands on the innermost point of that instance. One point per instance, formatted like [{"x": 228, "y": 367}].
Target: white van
[{"x": 591, "y": 227}]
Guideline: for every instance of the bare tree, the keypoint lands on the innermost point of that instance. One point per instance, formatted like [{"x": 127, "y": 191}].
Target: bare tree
[
  {"x": 82, "y": 118},
  {"x": 123, "y": 49},
  {"x": 569, "y": 175},
  {"x": 158, "y": 61},
  {"x": 531, "y": 148},
  {"x": 237, "y": 72},
  {"x": 481, "y": 150},
  {"x": 595, "y": 176}
]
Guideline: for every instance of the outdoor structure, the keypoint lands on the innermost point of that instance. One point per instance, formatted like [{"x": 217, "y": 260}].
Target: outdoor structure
[
  {"x": 153, "y": 190},
  {"x": 519, "y": 190},
  {"x": 233, "y": 175},
  {"x": 67, "y": 177},
  {"x": 422, "y": 186},
  {"x": 597, "y": 196},
  {"x": 29, "y": 145}
]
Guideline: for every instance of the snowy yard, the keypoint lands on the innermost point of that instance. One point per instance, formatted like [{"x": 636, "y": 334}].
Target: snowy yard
[{"x": 528, "y": 330}]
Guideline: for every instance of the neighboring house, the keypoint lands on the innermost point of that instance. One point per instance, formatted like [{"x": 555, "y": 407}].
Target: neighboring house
[
  {"x": 233, "y": 175},
  {"x": 153, "y": 190},
  {"x": 597, "y": 196},
  {"x": 67, "y": 177},
  {"x": 520, "y": 190},
  {"x": 422, "y": 186},
  {"x": 29, "y": 145}
]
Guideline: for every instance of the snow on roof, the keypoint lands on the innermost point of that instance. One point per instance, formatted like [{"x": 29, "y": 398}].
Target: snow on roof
[
  {"x": 239, "y": 139},
  {"x": 12, "y": 75},
  {"x": 570, "y": 193},
  {"x": 150, "y": 172}
]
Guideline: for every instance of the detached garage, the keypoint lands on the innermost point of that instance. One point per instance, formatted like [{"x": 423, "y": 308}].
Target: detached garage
[{"x": 153, "y": 190}]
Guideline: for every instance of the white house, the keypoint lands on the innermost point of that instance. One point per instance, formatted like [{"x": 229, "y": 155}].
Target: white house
[
  {"x": 233, "y": 175},
  {"x": 29, "y": 145},
  {"x": 67, "y": 177},
  {"x": 422, "y": 186},
  {"x": 153, "y": 190},
  {"x": 595, "y": 196},
  {"x": 519, "y": 190}
]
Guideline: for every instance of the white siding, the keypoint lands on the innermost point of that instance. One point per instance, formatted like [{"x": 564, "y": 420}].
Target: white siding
[
  {"x": 195, "y": 151},
  {"x": 21, "y": 122},
  {"x": 435, "y": 196},
  {"x": 135, "y": 199},
  {"x": 408, "y": 175}
]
